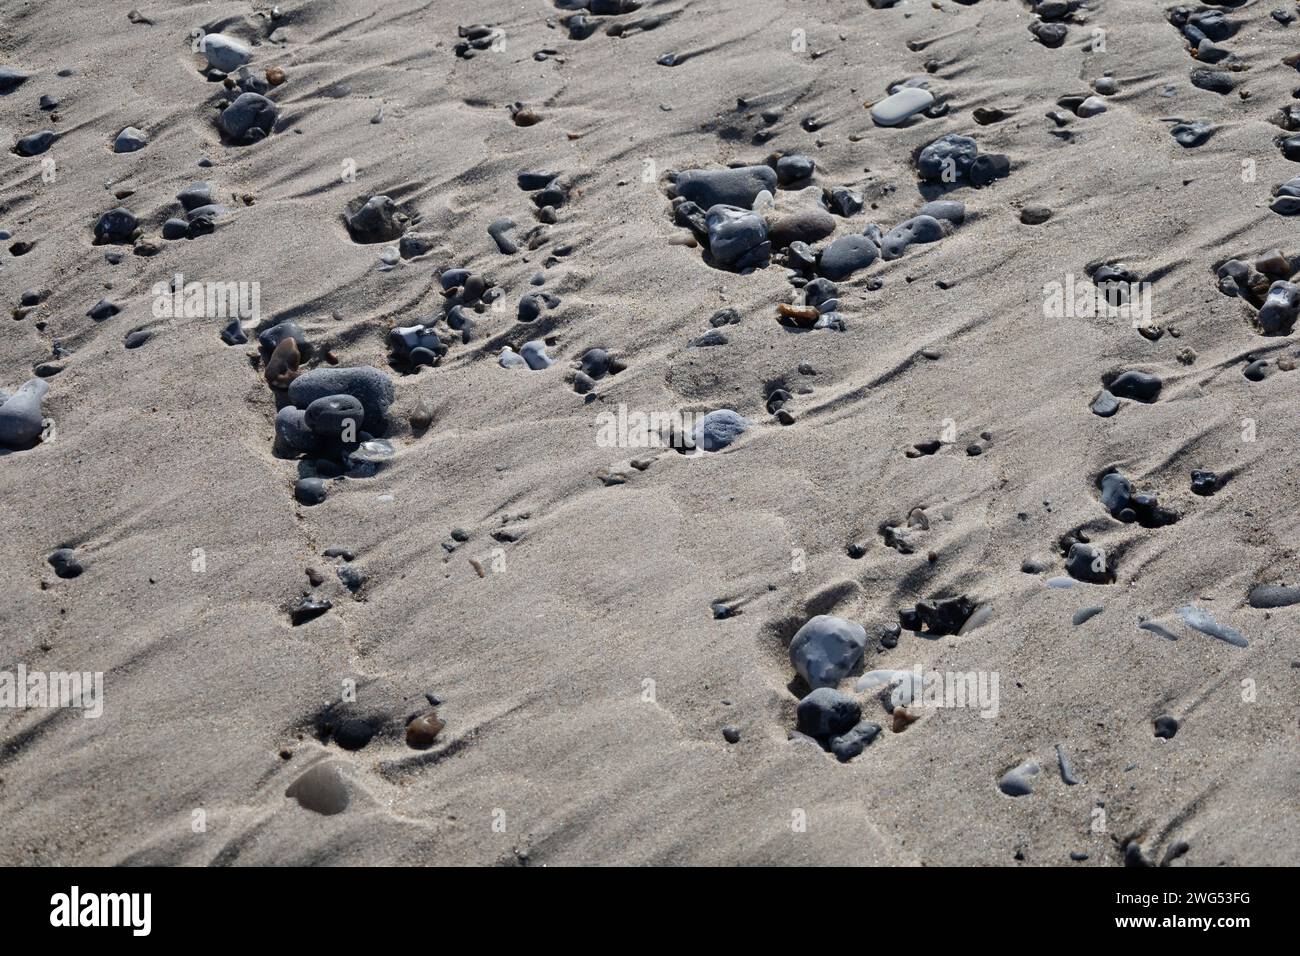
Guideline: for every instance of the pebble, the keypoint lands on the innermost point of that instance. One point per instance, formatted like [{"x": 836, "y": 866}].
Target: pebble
[
  {"x": 737, "y": 187},
  {"x": 1166, "y": 726},
  {"x": 130, "y": 140},
  {"x": 368, "y": 385},
  {"x": 737, "y": 237},
  {"x": 898, "y": 107},
  {"x": 423, "y": 730},
  {"x": 826, "y": 712},
  {"x": 848, "y": 745},
  {"x": 11, "y": 79},
  {"x": 1035, "y": 215},
  {"x": 718, "y": 429},
  {"x": 224, "y": 53},
  {"x": 918, "y": 229},
  {"x": 794, "y": 169},
  {"x": 321, "y": 790},
  {"x": 65, "y": 563},
  {"x": 1200, "y": 620},
  {"x": 847, "y": 255},
  {"x": 116, "y": 226},
  {"x": 1067, "y": 771},
  {"x": 310, "y": 491},
  {"x": 282, "y": 366},
  {"x": 1086, "y": 614},
  {"x": 308, "y": 609},
  {"x": 1273, "y": 595},
  {"x": 331, "y": 415},
  {"x": 36, "y": 143},
  {"x": 806, "y": 226},
  {"x": 731, "y": 734},
  {"x": 534, "y": 355},
  {"x": 1018, "y": 781},
  {"x": 137, "y": 338},
  {"x": 1191, "y": 135},
  {"x": 1138, "y": 386},
  {"x": 21, "y": 421},
  {"x": 1087, "y": 562},
  {"x": 249, "y": 118},
  {"x": 1278, "y": 314},
  {"x": 952, "y": 154},
  {"x": 379, "y": 219},
  {"x": 825, "y": 649},
  {"x": 497, "y": 230}
]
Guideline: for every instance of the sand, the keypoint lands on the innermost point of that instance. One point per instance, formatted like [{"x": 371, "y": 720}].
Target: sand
[{"x": 584, "y": 679}]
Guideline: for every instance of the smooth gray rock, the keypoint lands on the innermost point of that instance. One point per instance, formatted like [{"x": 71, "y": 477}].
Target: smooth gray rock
[
  {"x": 310, "y": 491},
  {"x": 726, "y": 187},
  {"x": 249, "y": 118},
  {"x": 36, "y": 143},
  {"x": 196, "y": 195},
  {"x": 331, "y": 415},
  {"x": 378, "y": 220},
  {"x": 1274, "y": 595},
  {"x": 918, "y": 229},
  {"x": 718, "y": 429},
  {"x": 130, "y": 140},
  {"x": 368, "y": 385},
  {"x": 292, "y": 431},
  {"x": 848, "y": 745},
  {"x": 734, "y": 233},
  {"x": 947, "y": 159},
  {"x": 948, "y": 210},
  {"x": 21, "y": 421},
  {"x": 826, "y": 712},
  {"x": 1018, "y": 781},
  {"x": 534, "y": 354},
  {"x": 900, "y": 106},
  {"x": 794, "y": 168},
  {"x": 1278, "y": 313},
  {"x": 826, "y": 649},
  {"x": 225, "y": 53},
  {"x": 847, "y": 255}
]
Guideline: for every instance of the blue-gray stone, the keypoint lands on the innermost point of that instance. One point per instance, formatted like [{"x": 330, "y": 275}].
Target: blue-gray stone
[
  {"x": 718, "y": 429},
  {"x": 368, "y": 385},
  {"x": 827, "y": 712},
  {"x": 826, "y": 649},
  {"x": 727, "y": 187}
]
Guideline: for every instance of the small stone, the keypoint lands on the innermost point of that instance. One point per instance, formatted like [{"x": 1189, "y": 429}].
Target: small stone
[
  {"x": 65, "y": 563},
  {"x": 826, "y": 712},
  {"x": 310, "y": 491},
  {"x": 130, "y": 140},
  {"x": 422, "y": 731}
]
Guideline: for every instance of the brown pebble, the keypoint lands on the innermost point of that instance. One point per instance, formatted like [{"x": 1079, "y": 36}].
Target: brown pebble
[
  {"x": 801, "y": 315},
  {"x": 477, "y": 565},
  {"x": 275, "y": 75},
  {"x": 423, "y": 730},
  {"x": 282, "y": 368},
  {"x": 315, "y": 577},
  {"x": 422, "y": 415},
  {"x": 902, "y": 719},
  {"x": 526, "y": 116}
]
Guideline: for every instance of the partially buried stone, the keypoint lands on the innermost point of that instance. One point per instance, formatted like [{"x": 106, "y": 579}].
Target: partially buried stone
[
  {"x": 130, "y": 140},
  {"x": 65, "y": 563},
  {"x": 1193, "y": 134},
  {"x": 250, "y": 118},
  {"x": 848, "y": 745},
  {"x": 919, "y": 229},
  {"x": 308, "y": 609},
  {"x": 423, "y": 730},
  {"x": 116, "y": 225},
  {"x": 21, "y": 421},
  {"x": 900, "y": 106},
  {"x": 224, "y": 53},
  {"x": 947, "y": 159},
  {"x": 826, "y": 649},
  {"x": 368, "y": 385},
  {"x": 335, "y": 416},
  {"x": 847, "y": 255},
  {"x": 826, "y": 712},
  {"x": 718, "y": 429},
  {"x": 282, "y": 366},
  {"x": 731, "y": 187},
  {"x": 36, "y": 143},
  {"x": 1018, "y": 781},
  {"x": 310, "y": 491},
  {"x": 378, "y": 220}
]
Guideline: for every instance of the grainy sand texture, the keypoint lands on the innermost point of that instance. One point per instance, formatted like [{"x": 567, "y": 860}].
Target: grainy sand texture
[{"x": 680, "y": 432}]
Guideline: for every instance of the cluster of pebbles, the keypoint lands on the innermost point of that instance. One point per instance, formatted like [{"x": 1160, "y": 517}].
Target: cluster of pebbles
[{"x": 1265, "y": 285}]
